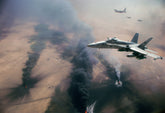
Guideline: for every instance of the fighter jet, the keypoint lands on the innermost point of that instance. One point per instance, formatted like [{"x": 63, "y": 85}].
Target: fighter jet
[
  {"x": 139, "y": 20},
  {"x": 120, "y": 11},
  {"x": 128, "y": 17},
  {"x": 140, "y": 51}
]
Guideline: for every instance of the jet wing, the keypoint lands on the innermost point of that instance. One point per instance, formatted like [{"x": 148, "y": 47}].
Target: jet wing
[
  {"x": 141, "y": 51},
  {"x": 151, "y": 51}
]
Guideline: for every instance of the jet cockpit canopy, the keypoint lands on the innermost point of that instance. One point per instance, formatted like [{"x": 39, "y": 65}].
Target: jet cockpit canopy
[{"x": 110, "y": 40}]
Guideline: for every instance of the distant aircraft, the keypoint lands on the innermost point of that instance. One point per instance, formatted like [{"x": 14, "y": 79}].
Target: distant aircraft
[
  {"x": 120, "y": 11},
  {"x": 140, "y": 51},
  {"x": 139, "y": 20},
  {"x": 128, "y": 17}
]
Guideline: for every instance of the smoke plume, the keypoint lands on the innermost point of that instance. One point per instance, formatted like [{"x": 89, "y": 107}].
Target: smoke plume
[
  {"x": 81, "y": 77},
  {"x": 79, "y": 56},
  {"x": 163, "y": 2},
  {"x": 57, "y": 23}
]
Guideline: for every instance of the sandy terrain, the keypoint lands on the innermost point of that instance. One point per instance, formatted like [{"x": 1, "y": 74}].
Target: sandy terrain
[
  {"x": 13, "y": 55},
  {"x": 50, "y": 69}
]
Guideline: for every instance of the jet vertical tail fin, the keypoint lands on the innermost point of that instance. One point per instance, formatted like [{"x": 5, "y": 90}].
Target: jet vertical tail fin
[
  {"x": 135, "y": 38},
  {"x": 142, "y": 45}
]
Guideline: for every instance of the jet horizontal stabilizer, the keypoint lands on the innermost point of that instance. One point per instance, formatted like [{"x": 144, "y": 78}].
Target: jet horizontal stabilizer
[{"x": 142, "y": 45}]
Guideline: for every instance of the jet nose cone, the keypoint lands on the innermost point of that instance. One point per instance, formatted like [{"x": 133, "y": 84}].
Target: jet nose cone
[{"x": 91, "y": 44}]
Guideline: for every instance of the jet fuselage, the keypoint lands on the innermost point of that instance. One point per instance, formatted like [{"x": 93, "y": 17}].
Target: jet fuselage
[{"x": 112, "y": 43}]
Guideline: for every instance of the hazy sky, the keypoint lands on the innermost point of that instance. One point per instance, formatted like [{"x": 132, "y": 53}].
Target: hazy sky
[{"x": 105, "y": 22}]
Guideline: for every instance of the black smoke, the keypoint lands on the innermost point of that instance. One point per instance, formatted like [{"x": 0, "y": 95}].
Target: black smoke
[
  {"x": 38, "y": 43},
  {"x": 2, "y": 5},
  {"x": 80, "y": 78},
  {"x": 64, "y": 18},
  {"x": 163, "y": 2},
  {"x": 79, "y": 90},
  {"x": 28, "y": 82},
  {"x": 7, "y": 17},
  {"x": 1, "y": 107},
  {"x": 61, "y": 15},
  {"x": 3, "y": 23},
  {"x": 126, "y": 98}
]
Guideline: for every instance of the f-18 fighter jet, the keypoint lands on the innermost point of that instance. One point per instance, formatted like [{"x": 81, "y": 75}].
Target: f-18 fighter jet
[
  {"x": 120, "y": 11},
  {"x": 140, "y": 51},
  {"x": 139, "y": 20}
]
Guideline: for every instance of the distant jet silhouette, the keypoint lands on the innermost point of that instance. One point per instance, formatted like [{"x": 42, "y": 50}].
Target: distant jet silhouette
[
  {"x": 128, "y": 17},
  {"x": 139, "y": 20},
  {"x": 120, "y": 11}
]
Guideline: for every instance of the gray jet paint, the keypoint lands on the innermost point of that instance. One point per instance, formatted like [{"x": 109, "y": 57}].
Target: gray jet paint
[{"x": 140, "y": 51}]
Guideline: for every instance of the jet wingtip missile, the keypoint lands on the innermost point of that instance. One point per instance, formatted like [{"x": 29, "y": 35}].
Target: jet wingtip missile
[{"x": 158, "y": 58}]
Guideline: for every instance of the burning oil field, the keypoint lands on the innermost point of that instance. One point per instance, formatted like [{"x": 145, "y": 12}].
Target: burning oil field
[{"x": 46, "y": 66}]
